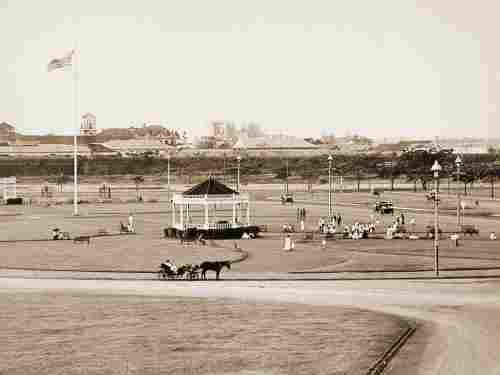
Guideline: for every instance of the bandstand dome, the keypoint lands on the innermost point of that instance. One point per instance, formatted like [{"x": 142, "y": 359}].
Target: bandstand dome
[{"x": 210, "y": 187}]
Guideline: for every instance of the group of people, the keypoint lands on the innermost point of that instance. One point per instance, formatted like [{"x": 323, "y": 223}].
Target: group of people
[
  {"x": 392, "y": 229},
  {"x": 57, "y": 234},
  {"x": 248, "y": 236},
  {"x": 329, "y": 226},
  {"x": 170, "y": 265},
  {"x": 358, "y": 231}
]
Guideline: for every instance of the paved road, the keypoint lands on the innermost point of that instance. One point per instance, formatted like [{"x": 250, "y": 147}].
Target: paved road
[{"x": 460, "y": 318}]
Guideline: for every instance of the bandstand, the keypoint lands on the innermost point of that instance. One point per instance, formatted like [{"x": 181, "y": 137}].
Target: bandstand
[{"x": 209, "y": 197}]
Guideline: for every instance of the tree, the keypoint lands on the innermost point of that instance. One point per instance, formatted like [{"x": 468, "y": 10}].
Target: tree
[
  {"x": 358, "y": 174},
  {"x": 138, "y": 180},
  {"x": 281, "y": 173},
  {"x": 311, "y": 175}
]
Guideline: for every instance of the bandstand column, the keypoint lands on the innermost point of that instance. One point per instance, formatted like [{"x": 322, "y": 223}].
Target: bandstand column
[
  {"x": 182, "y": 215},
  {"x": 234, "y": 211},
  {"x": 248, "y": 212},
  {"x": 173, "y": 214},
  {"x": 206, "y": 212}
]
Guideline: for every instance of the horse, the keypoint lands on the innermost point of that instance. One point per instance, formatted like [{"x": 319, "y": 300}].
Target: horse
[
  {"x": 215, "y": 266},
  {"x": 194, "y": 272}
]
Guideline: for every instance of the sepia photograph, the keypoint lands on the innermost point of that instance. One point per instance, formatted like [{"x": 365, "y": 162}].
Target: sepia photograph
[{"x": 256, "y": 187}]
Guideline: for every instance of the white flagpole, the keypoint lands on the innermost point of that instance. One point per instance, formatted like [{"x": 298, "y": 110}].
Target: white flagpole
[{"x": 75, "y": 142}]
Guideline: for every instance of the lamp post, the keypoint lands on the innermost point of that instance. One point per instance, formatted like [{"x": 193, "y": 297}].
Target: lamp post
[
  {"x": 458, "y": 163},
  {"x": 330, "y": 198},
  {"x": 238, "y": 158},
  {"x": 168, "y": 176},
  {"x": 286, "y": 179},
  {"x": 436, "y": 168}
]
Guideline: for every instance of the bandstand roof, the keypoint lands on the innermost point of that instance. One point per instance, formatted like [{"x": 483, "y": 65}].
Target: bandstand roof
[{"x": 210, "y": 187}]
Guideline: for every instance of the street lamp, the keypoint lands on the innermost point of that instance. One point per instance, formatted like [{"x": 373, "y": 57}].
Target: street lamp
[
  {"x": 286, "y": 179},
  {"x": 458, "y": 163},
  {"x": 238, "y": 158},
  {"x": 168, "y": 176},
  {"x": 436, "y": 168},
  {"x": 330, "y": 198}
]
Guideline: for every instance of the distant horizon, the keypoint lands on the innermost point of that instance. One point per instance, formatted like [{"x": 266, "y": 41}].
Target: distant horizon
[
  {"x": 41, "y": 132},
  {"x": 408, "y": 70}
]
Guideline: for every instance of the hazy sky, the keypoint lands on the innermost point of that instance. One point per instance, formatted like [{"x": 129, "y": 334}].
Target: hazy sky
[{"x": 377, "y": 68}]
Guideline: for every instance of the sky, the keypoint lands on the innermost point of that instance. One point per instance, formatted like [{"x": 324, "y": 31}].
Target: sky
[{"x": 393, "y": 68}]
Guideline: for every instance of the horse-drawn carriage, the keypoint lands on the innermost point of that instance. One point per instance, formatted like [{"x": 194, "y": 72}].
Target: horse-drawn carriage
[
  {"x": 186, "y": 271},
  {"x": 192, "y": 271},
  {"x": 384, "y": 207}
]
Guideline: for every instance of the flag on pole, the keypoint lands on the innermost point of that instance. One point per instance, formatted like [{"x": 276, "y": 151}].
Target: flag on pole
[{"x": 61, "y": 63}]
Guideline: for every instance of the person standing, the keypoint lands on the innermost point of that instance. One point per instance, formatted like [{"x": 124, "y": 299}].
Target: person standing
[
  {"x": 287, "y": 245},
  {"x": 131, "y": 223}
]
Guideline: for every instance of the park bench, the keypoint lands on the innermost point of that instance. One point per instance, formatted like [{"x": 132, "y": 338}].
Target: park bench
[
  {"x": 429, "y": 230},
  {"x": 82, "y": 239},
  {"x": 469, "y": 229}
]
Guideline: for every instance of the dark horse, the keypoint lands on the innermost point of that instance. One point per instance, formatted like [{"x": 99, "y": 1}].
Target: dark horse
[{"x": 214, "y": 266}]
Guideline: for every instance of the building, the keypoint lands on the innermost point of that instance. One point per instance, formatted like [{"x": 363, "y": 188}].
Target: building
[
  {"x": 217, "y": 130},
  {"x": 89, "y": 124},
  {"x": 273, "y": 142},
  {"x": 42, "y": 150},
  {"x": 7, "y": 132},
  {"x": 132, "y": 147}
]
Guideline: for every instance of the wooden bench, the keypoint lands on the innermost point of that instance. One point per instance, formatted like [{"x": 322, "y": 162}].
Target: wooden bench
[
  {"x": 82, "y": 239},
  {"x": 469, "y": 229}
]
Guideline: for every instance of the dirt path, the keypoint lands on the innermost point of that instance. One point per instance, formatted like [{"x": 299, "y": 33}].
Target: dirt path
[{"x": 460, "y": 318}]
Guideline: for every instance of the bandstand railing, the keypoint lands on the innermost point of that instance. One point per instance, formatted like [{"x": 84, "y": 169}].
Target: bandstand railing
[{"x": 211, "y": 226}]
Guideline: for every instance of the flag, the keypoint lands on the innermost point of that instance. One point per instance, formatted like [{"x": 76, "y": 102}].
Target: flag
[{"x": 61, "y": 63}]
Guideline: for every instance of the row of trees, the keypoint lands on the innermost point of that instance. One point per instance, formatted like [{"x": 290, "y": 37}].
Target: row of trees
[{"x": 413, "y": 167}]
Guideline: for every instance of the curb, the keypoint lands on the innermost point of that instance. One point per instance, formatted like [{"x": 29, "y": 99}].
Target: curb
[{"x": 381, "y": 364}]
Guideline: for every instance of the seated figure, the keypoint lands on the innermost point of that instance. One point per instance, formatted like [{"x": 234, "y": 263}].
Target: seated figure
[
  {"x": 57, "y": 234},
  {"x": 168, "y": 265}
]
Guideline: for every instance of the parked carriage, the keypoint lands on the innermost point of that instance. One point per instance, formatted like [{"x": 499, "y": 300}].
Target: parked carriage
[{"x": 384, "y": 207}]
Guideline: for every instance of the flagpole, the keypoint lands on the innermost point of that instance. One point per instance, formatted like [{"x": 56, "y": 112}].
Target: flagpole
[{"x": 75, "y": 142}]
